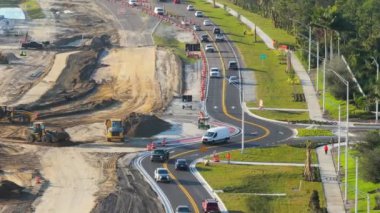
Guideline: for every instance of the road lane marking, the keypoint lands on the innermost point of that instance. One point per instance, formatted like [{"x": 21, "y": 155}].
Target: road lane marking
[{"x": 183, "y": 189}]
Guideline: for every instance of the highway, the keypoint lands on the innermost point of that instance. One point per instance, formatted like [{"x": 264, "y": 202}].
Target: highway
[{"x": 223, "y": 104}]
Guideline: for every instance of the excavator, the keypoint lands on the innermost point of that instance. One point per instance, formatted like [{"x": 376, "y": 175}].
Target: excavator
[
  {"x": 114, "y": 129},
  {"x": 12, "y": 115}
]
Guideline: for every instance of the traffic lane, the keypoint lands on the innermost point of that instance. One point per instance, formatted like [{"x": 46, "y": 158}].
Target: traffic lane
[
  {"x": 188, "y": 180},
  {"x": 171, "y": 189}
]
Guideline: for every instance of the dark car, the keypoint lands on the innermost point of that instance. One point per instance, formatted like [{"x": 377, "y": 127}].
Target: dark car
[
  {"x": 32, "y": 45},
  {"x": 161, "y": 155},
  {"x": 232, "y": 65},
  {"x": 181, "y": 164},
  {"x": 204, "y": 38},
  {"x": 182, "y": 209},
  {"x": 216, "y": 30},
  {"x": 210, "y": 205}
]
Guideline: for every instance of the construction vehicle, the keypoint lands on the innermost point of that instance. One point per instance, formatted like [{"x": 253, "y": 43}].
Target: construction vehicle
[
  {"x": 38, "y": 132},
  {"x": 114, "y": 129},
  {"x": 203, "y": 121},
  {"x": 11, "y": 114}
]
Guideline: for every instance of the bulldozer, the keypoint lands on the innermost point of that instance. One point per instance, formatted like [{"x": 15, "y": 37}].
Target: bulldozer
[
  {"x": 114, "y": 129},
  {"x": 38, "y": 133},
  {"x": 12, "y": 115}
]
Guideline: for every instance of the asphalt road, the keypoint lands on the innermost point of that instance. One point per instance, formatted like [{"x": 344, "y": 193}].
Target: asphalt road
[{"x": 223, "y": 104}]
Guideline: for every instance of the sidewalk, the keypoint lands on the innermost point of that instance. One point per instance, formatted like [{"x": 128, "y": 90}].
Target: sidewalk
[
  {"x": 315, "y": 112},
  {"x": 330, "y": 182}
]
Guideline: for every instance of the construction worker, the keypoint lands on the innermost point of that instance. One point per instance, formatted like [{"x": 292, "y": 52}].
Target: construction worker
[{"x": 326, "y": 148}]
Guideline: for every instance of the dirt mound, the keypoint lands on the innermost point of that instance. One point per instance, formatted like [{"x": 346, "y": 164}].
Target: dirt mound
[
  {"x": 9, "y": 189},
  {"x": 140, "y": 125}
]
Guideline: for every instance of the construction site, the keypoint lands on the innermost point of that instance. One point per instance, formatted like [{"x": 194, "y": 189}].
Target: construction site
[{"x": 80, "y": 102}]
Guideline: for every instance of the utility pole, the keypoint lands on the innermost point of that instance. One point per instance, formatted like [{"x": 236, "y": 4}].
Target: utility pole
[
  {"x": 356, "y": 185},
  {"x": 309, "y": 57},
  {"x": 346, "y": 155},
  {"x": 242, "y": 127}
]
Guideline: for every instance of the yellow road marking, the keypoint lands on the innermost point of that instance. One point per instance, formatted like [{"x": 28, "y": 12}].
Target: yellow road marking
[
  {"x": 183, "y": 189},
  {"x": 267, "y": 132}
]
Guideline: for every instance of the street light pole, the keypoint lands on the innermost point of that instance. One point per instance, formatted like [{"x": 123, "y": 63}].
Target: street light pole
[
  {"x": 347, "y": 83},
  {"x": 356, "y": 184},
  {"x": 317, "y": 66},
  {"x": 377, "y": 81},
  {"x": 339, "y": 142},
  {"x": 324, "y": 75},
  {"x": 242, "y": 128},
  {"x": 309, "y": 58}
]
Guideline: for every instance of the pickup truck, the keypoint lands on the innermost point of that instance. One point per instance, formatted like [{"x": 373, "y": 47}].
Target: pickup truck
[
  {"x": 210, "y": 205},
  {"x": 159, "y": 155}
]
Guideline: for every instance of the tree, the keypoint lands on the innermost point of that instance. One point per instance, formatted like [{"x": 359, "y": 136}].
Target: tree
[
  {"x": 308, "y": 171},
  {"x": 369, "y": 151}
]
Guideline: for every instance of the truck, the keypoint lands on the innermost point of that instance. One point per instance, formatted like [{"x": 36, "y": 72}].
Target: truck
[
  {"x": 161, "y": 155},
  {"x": 114, "y": 129},
  {"x": 210, "y": 205},
  {"x": 216, "y": 135}
]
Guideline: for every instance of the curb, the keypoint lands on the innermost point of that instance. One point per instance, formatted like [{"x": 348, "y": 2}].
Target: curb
[
  {"x": 205, "y": 185},
  {"x": 152, "y": 183}
]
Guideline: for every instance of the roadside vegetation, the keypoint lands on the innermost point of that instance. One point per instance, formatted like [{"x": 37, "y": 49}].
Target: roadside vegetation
[
  {"x": 314, "y": 132},
  {"x": 177, "y": 47},
  {"x": 239, "y": 187},
  {"x": 280, "y": 154},
  {"x": 31, "y": 7},
  {"x": 369, "y": 172},
  {"x": 348, "y": 21},
  {"x": 274, "y": 89}
]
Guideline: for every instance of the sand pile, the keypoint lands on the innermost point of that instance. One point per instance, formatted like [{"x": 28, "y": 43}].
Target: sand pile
[{"x": 140, "y": 125}]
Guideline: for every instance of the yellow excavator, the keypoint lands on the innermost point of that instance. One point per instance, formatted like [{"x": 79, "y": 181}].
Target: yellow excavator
[{"x": 114, "y": 129}]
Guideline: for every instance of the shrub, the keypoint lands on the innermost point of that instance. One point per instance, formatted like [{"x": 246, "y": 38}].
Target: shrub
[{"x": 314, "y": 132}]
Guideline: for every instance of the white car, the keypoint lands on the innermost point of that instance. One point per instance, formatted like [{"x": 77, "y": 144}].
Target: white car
[
  {"x": 161, "y": 175},
  {"x": 159, "y": 10},
  {"x": 196, "y": 27},
  {"x": 214, "y": 72},
  {"x": 219, "y": 37},
  {"x": 207, "y": 22},
  {"x": 132, "y": 2},
  {"x": 198, "y": 14},
  {"x": 233, "y": 79},
  {"x": 190, "y": 7},
  {"x": 209, "y": 48}
]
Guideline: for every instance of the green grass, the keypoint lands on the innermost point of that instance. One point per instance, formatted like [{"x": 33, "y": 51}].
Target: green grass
[
  {"x": 177, "y": 47},
  {"x": 282, "y": 115},
  {"x": 314, "y": 132},
  {"x": 270, "y": 74},
  {"x": 280, "y": 35},
  {"x": 364, "y": 186},
  {"x": 239, "y": 181},
  {"x": 280, "y": 154}
]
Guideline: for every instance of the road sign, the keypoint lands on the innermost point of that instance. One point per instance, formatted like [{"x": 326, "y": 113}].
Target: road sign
[
  {"x": 203, "y": 148},
  {"x": 263, "y": 56}
]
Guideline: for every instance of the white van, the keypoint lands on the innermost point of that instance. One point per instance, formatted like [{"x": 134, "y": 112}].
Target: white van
[
  {"x": 159, "y": 10},
  {"x": 216, "y": 135}
]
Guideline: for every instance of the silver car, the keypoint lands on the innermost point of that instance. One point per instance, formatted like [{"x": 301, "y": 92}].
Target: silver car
[
  {"x": 161, "y": 175},
  {"x": 233, "y": 79}
]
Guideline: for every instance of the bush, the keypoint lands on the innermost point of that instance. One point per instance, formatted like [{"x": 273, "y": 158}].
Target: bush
[
  {"x": 314, "y": 203},
  {"x": 369, "y": 152},
  {"x": 314, "y": 132}
]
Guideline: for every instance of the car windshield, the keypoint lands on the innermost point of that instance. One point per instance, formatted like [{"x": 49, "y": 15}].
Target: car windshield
[
  {"x": 162, "y": 172},
  {"x": 158, "y": 152},
  {"x": 212, "y": 204},
  {"x": 214, "y": 70},
  {"x": 210, "y": 134},
  {"x": 183, "y": 209},
  {"x": 116, "y": 124},
  {"x": 181, "y": 161},
  {"x": 233, "y": 77}
]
